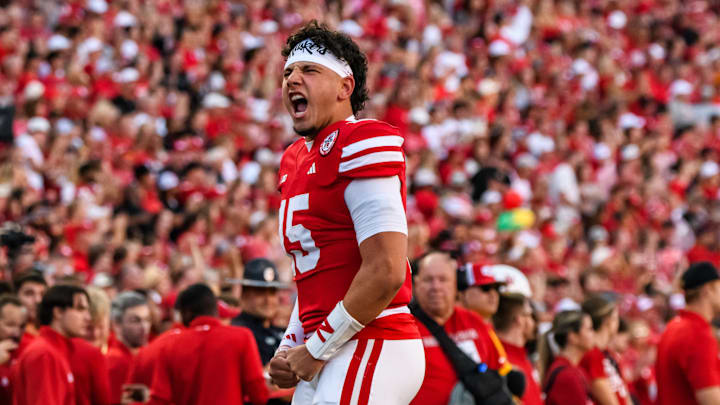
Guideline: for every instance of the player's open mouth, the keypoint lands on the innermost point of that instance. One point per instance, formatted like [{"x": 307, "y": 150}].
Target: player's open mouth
[{"x": 299, "y": 104}]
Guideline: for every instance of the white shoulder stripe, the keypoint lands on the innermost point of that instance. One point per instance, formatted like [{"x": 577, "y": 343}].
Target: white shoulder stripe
[
  {"x": 375, "y": 142},
  {"x": 371, "y": 159}
]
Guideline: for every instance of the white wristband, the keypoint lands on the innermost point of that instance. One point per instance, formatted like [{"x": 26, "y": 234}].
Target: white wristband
[{"x": 336, "y": 329}]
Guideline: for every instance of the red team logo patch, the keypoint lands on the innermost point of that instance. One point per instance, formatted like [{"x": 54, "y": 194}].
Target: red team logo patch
[{"x": 328, "y": 143}]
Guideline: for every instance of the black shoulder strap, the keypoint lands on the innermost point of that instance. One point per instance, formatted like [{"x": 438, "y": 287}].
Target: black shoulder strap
[
  {"x": 551, "y": 378},
  {"x": 460, "y": 361}
]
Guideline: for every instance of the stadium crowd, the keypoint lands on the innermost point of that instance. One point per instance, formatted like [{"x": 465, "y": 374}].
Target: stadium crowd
[{"x": 576, "y": 141}]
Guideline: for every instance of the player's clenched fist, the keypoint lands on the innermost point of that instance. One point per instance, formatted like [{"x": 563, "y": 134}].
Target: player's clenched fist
[
  {"x": 280, "y": 371},
  {"x": 302, "y": 363}
]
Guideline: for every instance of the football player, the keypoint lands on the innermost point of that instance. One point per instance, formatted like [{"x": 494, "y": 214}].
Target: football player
[{"x": 351, "y": 338}]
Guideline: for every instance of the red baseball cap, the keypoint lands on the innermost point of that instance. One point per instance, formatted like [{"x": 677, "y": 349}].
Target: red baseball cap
[{"x": 479, "y": 274}]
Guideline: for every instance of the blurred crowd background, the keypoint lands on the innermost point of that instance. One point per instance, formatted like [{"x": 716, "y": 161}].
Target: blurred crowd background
[{"x": 577, "y": 141}]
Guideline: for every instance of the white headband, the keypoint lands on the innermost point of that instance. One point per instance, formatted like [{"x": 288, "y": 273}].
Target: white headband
[{"x": 309, "y": 51}]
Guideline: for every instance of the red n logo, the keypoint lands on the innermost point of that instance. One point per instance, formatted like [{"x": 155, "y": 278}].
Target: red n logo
[{"x": 325, "y": 326}]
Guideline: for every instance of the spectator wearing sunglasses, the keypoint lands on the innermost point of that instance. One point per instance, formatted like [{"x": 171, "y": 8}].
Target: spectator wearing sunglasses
[{"x": 480, "y": 293}]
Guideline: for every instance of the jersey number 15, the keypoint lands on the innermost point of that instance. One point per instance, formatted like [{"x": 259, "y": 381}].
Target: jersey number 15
[{"x": 306, "y": 258}]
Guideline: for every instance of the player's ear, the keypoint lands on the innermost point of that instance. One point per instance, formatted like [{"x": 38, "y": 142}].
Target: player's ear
[{"x": 347, "y": 85}]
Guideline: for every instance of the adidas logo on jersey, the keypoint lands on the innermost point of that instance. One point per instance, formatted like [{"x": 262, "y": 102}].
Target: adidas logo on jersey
[{"x": 312, "y": 169}]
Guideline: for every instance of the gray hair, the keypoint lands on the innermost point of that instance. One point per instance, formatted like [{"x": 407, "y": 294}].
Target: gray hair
[{"x": 125, "y": 301}]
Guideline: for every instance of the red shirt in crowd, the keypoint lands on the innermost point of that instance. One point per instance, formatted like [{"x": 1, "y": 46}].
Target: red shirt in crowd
[
  {"x": 209, "y": 363},
  {"x": 43, "y": 374},
  {"x": 700, "y": 253},
  {"x": 517, "y": 356},
  {"x": 89, "y": 368},
  {"x": 465, "y": 328},
  {"x": 143, "y": 365},
  {"x": 687, "y": 359},
  {"x": 119, "y": 360},
  {"x": 598, "y": 364},
  {"x": 570, "y": 385},
  {"x": 5, "y": 381}
]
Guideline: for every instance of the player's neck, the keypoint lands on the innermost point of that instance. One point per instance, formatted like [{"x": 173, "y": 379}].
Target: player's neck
[{"x": 342, "y": 113}]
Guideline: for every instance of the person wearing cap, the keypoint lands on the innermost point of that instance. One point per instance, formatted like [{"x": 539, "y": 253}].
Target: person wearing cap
[
  {"x": 260, "y": 305},
  {"x": 435, "y": 289},
  {"x": 207, "y": 363},
  {"x": 687, "y": 366},
  {"x": 480, "y": 293}
]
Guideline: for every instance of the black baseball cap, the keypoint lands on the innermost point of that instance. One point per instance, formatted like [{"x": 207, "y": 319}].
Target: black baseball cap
[
  {"x": 261, "y": 273},
  {"x": 698, "y": 274}
]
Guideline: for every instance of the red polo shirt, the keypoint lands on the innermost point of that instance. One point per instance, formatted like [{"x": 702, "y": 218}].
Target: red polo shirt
[
  {"x": 89, "y": 367},
  {"x": 465, "y": 328},
  {"x": 43, "y": 374},
  {"x": 209, "y": 363},
  {"x": 687, "y": 359},
  {"x": 517, "y": 356},
  {"x": 570, "y": 386},
  {"x": 142, "y": 369},
  {"x": 598, "y": 364},
  {"x": 119, "y": 359}
]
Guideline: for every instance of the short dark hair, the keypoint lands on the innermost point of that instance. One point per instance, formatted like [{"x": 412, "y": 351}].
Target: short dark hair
[
  {"x": 9, "y": 299},
  {"x": 508, "y": 308},
  {"x": 58, "y": 296},
  {"x": 343, "y": 47},
  {"x": 196, "y": 300},
  {"x": 30, "y": 276}
]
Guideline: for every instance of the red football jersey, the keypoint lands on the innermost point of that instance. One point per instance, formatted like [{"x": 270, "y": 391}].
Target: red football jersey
[{"x": 316, "y": 227}]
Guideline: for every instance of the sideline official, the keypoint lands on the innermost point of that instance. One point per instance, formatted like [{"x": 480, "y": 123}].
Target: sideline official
[{"x": 260, "y": 306}]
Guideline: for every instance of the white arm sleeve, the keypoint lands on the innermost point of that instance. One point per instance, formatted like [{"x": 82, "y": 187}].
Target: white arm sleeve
[
  {"x": 294, "y": 334},
  {"x": 376, "y": 206}
]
